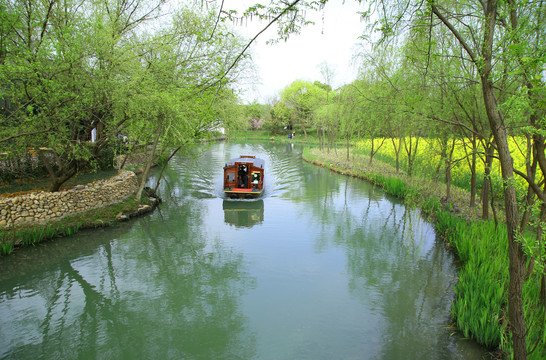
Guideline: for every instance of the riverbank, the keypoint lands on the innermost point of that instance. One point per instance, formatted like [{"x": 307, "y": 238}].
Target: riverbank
[
  {"x": 425, "y": 193},
  {"x": 30, "y": 234},
  {"x": 480, "y": 308},
  {"x": 32, "y": 216}
]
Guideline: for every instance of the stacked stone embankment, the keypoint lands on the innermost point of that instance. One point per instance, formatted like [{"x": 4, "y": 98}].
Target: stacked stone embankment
[{"x": 43, "y": 207}]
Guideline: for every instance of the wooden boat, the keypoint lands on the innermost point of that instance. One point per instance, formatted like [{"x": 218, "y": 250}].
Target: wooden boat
[{"x": 244, "y": 177}]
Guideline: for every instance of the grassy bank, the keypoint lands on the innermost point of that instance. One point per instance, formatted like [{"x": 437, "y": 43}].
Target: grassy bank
[
  {"x": 480, "y": 307},
  {"x": 31, "y": 234}
]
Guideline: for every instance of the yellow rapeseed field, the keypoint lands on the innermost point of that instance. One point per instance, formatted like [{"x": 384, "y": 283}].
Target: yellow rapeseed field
[{"x": 428, "y": 157}]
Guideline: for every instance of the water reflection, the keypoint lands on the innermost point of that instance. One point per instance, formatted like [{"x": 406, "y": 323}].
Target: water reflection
[
  {"x": 395, "y": 268},
  {"x": 322, "y": 267},
  {"x": 154, "y": 290},
  {"x": 243, "y": 213}
]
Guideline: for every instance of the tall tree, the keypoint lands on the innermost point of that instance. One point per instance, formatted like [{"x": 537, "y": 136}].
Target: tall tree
[
  {"x": 485, "y": 32},
  {"x": 303, "y": 97}
]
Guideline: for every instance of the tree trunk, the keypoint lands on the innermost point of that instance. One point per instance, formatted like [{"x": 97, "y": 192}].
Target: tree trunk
[
  {"x": 348, "y": 138},
  {"x": 323, "y": 139},
  {"x": 530, "y": 197},
  {"x": 516, "y": 254},
  {"x": 443, "y": 154},
  {"x": 449, "y": 158},
  {"x": 374, "y": 151},
  {"x": 58, "y": 181},
  {"x": 397, "y": 152},
  {"x": 304, "y": 132},
  {"x": 163, "y": 168},
  {"x": 149, "y": 162},
  {"x": 60, "y": 176},
  {"x": 473, "y": 174},
  {"x": 411, "y": 152},
  {"x": 408, "y": 154},
  {"x": 516, "y": 268},
  {"x": 489, "y": 153},
  {"x": 371, "y": 153}
]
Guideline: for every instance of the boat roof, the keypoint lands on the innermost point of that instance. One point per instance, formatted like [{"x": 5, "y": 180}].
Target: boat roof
[{"x": 247, "y": 159}]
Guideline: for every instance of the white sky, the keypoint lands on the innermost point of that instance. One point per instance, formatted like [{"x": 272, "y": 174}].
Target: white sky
[{"x": 331, "y": 40}]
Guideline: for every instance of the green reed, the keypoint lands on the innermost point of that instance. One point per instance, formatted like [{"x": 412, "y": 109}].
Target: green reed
[
  {"x": 6, "y": 247},
  {"x": 480, "y": 307},
  {"x": 31, "y": 235}
]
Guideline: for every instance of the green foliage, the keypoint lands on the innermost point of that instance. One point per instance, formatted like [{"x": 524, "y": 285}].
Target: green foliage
[
  {"x": 111, "y": 67},
  {"x": 482, "y": 290},
  {"x": 483, "y": 278},
  {"x": 431, "y": 205},
  {"x": 302, "y": 98},
  {"x": 395, "y": 186},
  {"x": 6, "y": 247},
  {"x": 33, "y": 234}
]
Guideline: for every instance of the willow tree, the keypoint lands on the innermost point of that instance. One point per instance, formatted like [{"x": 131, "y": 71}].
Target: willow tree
[
  {"x": 180, "y": 83},
  {"x": 61, "y": 70},
  {"x": 495, "y": 37},
  {"x": 109, "y": 66}
]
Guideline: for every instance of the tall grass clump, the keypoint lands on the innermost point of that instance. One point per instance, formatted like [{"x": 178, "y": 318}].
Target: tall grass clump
[
  {"x": 535, "y": 317},
  {"x": 31, "y": 235},
  {"x": 431, "y": 205},
  {"x": 480, "y": 308},
  {"x": 35, "y": 234},
  {"x": 6, "y": 246},
  {"x": 308, "y": 155},
  {"x": 395, "y": 186}
]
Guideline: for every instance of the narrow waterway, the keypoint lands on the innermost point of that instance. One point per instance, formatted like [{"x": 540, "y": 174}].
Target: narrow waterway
[{"x": 323, "y": 266}]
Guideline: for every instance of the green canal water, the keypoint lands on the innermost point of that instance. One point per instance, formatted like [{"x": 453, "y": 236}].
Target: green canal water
[{"x": 323, "y": 266}]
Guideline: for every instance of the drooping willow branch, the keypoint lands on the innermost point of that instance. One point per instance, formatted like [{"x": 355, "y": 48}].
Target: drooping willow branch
[{"x": 239, "y": 57}]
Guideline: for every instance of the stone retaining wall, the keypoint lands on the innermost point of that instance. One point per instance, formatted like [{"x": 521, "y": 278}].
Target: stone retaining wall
[
  {"x": 46, "y": 206},
  {"x": 131, "y": 160}
]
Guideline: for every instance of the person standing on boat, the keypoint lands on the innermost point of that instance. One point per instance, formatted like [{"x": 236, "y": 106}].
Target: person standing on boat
[{"x": 243, "y": 177}]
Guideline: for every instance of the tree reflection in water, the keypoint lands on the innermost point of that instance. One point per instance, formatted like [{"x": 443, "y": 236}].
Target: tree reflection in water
[
  {"x": 151, "y": 289},
  {"x": 335, "y": 269},
  {"x": 394, "y": 267}
]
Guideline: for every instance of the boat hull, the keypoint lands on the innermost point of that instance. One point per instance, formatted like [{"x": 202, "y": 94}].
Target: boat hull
[{"x": 243, "y": 193}]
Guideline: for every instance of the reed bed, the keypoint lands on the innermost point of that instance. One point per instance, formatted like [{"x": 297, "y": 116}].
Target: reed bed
[{"x": 31, "y": 235}]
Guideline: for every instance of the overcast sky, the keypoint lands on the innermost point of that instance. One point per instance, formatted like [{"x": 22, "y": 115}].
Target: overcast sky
[{"x": 332, "y": 40}]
